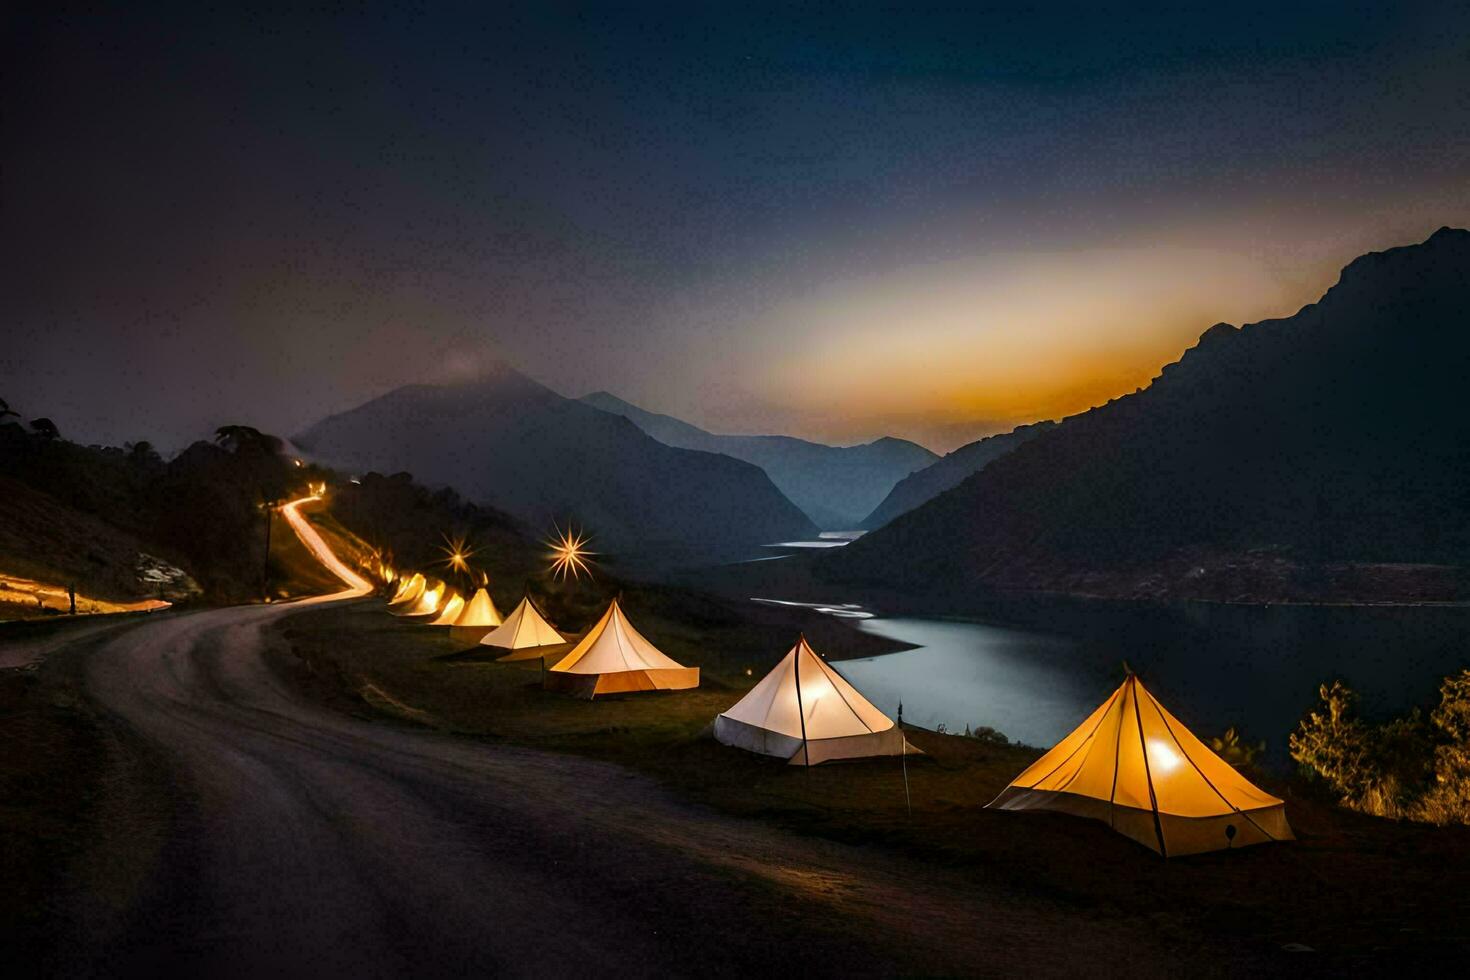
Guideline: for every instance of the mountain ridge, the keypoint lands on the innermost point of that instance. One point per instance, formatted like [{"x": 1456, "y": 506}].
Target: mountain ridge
[
  {"x": 508, "y": 441},
  {"x": 835, "y": 486},
  {"x": 1274, "y": 461},
  {"x": 949, "y": 470}
]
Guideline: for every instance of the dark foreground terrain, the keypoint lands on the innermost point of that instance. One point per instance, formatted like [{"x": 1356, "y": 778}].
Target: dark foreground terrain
[
  {"x": 237, "y": 829},
  {"x": 191, "y": 796}
]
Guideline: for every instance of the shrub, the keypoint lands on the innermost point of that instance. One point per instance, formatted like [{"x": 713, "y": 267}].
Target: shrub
[
  {"x": 1234, "y": 751},
  {"x": 1332, "y": 742},
  {"x": 1409, "y": 767},
  {"x": 1448, "y": 800},
  {"x": 984, "y": 733}
]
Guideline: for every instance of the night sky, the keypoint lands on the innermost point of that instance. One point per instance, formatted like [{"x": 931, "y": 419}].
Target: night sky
[{"x": 835, "y": 224}]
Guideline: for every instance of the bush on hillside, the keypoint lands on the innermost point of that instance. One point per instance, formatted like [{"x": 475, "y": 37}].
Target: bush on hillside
[
  {"x": 1413, "y": 767},
  {"x": 1233, "y": 749}
]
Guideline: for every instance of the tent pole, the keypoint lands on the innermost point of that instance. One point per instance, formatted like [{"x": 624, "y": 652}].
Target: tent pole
[
  {"x": 903, "y": 754},
  {"x": 1147, "y": 773},
  {"x": 806, "y": 757}
]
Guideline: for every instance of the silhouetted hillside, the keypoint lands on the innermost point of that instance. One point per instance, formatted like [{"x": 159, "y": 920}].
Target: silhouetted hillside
[
  {"x": 112, "y": 520},
  {"x": 511, "y": 443},
  {"x": 926, "y": 484},
  {"x": 409, "y": 523},
  {"x": 836, "y": 486},
  {"x": 1324, "y": 455}
]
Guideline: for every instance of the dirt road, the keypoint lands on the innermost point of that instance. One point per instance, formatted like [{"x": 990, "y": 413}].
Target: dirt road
[
  {"x": 248, "y": 831},
  {"x": 256, "y": 832}
]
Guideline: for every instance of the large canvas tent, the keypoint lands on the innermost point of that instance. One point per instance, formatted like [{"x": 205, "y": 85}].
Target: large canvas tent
[
  {"x": 427, "y": 604},
  {"x": 614, "y": 658},
  {"x": 450, "y": 611},
  {"x": 478, "y": 617},
  {"x": 804, "y": 711},
  {"x": 1134, "y": 766},
  {"x": 409, "y": 590},
  {"x": 525, "y": 634}
]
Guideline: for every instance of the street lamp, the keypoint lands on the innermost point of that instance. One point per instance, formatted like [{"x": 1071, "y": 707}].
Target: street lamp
[{"x": 269, "y": 506}]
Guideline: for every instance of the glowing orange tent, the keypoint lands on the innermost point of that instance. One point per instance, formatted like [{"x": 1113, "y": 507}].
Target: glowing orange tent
[
  {"x": 1132, "y": 765},
  {"x": 526, "y": 634},
  {"x": 806, "y": 712},
  {"x": 408, "y": 592},
  {"x": 478, "y": 617},
  {"x": 450, "y": 611},
  {"x": 427, "y": 604},
  {"x": 614, "y": 658}
]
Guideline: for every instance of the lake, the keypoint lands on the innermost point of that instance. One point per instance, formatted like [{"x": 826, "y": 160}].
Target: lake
[{"x": 1036, "y": 669}]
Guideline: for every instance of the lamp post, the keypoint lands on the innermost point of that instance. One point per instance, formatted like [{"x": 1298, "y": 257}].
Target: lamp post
[{"x": 269, "y": 506}]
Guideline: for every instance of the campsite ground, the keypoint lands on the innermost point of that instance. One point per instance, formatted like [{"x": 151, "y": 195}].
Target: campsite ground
[
  {"x": 1363, "y": 894},
  {"x": 1358, "y": 891}
]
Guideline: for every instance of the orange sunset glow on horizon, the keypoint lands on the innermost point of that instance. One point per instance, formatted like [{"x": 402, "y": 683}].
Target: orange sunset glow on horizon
[{"x": 946, "y": 353}]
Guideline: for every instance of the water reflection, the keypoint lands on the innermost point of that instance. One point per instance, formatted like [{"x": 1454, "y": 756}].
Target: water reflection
[
  {"x": 824, "y": 539},
  {"x": 1018, "y": 682},
  {"x": 1213, "y": 666}
]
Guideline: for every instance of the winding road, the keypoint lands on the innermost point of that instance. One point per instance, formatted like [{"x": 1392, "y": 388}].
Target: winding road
[{"x": 248, "y": 831}]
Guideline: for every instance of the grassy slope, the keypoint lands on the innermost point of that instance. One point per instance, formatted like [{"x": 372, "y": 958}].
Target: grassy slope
[{"x": 1352, "y": 885}]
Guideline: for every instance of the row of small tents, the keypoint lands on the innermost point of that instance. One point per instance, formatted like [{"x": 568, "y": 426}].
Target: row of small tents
[
  {"x": 610, "y": 658},
  {"x": 1130, "y": 764}
]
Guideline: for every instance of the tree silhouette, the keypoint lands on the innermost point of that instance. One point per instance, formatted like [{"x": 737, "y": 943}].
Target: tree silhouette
[
  {"x": 142, "y": 452},
  {"x": 237, "y": 438},
  {"x": 46, "y": 429},
  {"x": 5, "y": 410}
]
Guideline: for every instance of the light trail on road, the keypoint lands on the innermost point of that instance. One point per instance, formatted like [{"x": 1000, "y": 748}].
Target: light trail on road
[{"x": 317, "y": 545}]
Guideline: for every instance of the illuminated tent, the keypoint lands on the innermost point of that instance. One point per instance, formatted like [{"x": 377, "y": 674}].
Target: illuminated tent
[
  {"x": 525, "y": 633},
  {"x": 427, "y": 604},
  {"x": 450, "y": 611},
  {"x": 478, "y": 617},
  {"x": 614, "y": 658},
  {"x": 806, "y": 712},
  {"x": 409, "y": 590},
  {"x": 1134, "y": 766}
]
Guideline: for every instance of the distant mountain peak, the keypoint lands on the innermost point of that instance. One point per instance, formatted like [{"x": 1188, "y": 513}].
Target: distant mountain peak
[
  {"x": 927, "y": 483},
  {"x": 505, "y": 440},
  {"x": 836, "y": 486},
  {"x": 602, "y": 395},
  {"x": 1387, "y": 268}
]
